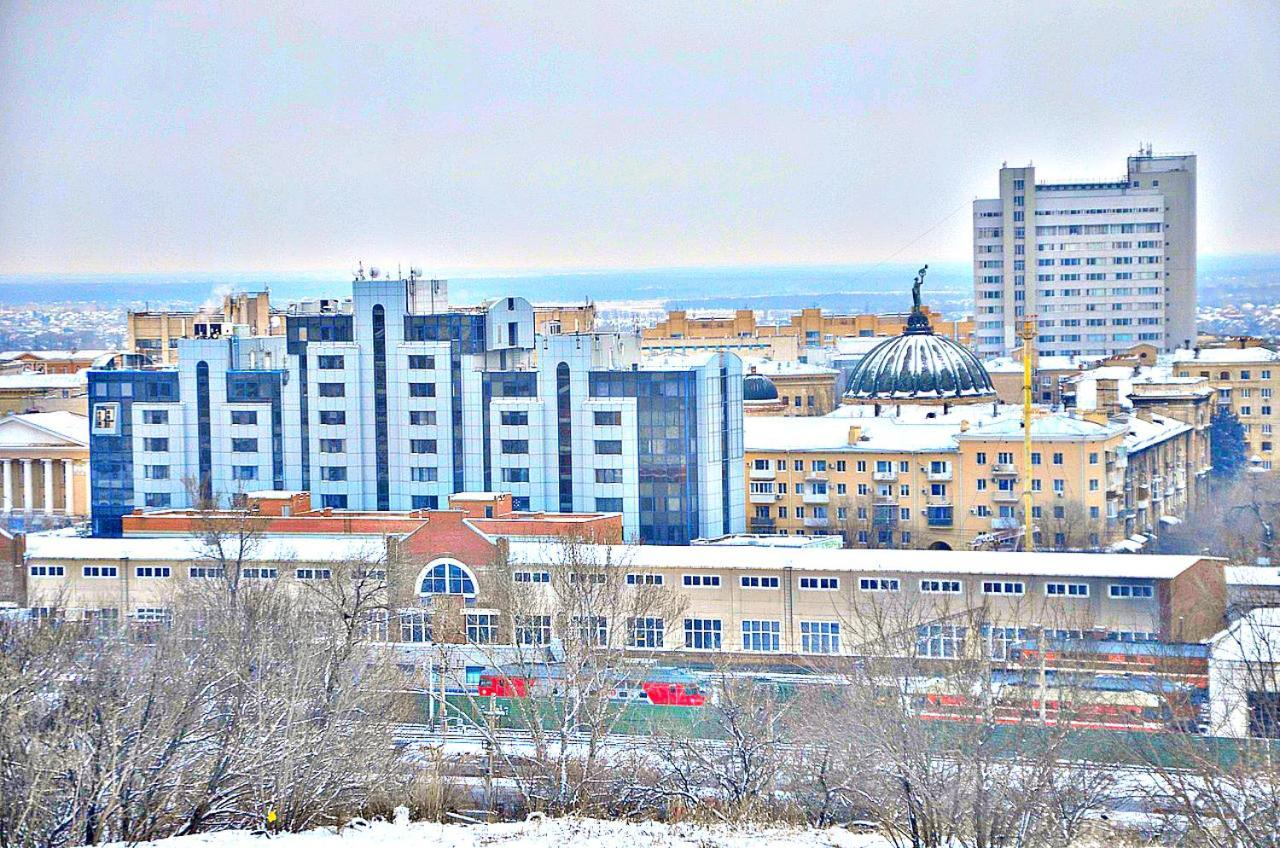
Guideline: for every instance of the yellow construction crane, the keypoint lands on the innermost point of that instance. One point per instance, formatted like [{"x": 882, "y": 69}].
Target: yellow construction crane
[{"x": 1028, "y": 354}]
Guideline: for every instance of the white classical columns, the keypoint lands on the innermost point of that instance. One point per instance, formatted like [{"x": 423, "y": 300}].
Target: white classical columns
[
  {"x": 8, "y": 485},
  {"x": 48, "y": 485},
  {"x": 28, "y": 489},
  {"x": 68, "y": 486}
]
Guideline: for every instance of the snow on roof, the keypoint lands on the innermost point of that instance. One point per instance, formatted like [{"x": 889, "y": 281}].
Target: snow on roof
[
  {"x": 1143, "y": 434},
  {"x": 34, "y": 380},
  {"x": 1009, "y": 365},
  {"x": 1224, "y": 355},
  {"x": 781, "y": 368},
  {"x": 68, "y": 425},
  {"x": 827, "y": 433},
  {"x": 1053, "y": 426},
  {"x": 746, "y": 558},
  {"x": 67, "y": 544},
  {"x": 1254, "y": 637},
  {"x": 88, "y": 353},
  {"x": 272, "y": 494},
  {"x": 475, "y": 496},
  {"x": 1252, "y": 575},
  {"x": 677, "y": 361}
]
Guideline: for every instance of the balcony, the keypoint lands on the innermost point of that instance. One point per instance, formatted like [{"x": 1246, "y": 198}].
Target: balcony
[
  {"x": 939, "y": 476},
  {"x": 883, "y": 516},
  {"x": 817, "y": 497},
  {"x": 762, "y": 497},
  {"x": 817, "y": 522},
  {"x": 761, "y": 474},
  {"x": 816, "y": 475},
  {"x": 1006, "y": 496},
  {"x": 940, "y": 515},
  {"x": 762, "y": 525},
  {"x": 886, "y": 500},
  {"x": 1001, "y": 522},
  {"x": 1004, "y": 469},
  {"x": 884, "y": 476}
]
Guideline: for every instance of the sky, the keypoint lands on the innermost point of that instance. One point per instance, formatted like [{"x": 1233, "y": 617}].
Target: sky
[{"x": 141, "y": 137}]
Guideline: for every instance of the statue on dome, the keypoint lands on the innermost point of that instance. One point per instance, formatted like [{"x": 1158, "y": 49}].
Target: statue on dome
[{"x": 915, "y": 289}]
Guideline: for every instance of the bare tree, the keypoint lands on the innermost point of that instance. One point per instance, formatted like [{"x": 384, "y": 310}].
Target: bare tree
[{"x": 581, "y": 630}]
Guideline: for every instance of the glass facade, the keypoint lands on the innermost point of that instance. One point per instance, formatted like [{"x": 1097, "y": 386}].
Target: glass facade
[
  {"x": 666, "y": 448},
  {"x": 111, "y": 493}
]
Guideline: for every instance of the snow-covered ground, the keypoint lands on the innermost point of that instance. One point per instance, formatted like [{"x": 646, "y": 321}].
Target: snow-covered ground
[{"x": 549, "y": 833}]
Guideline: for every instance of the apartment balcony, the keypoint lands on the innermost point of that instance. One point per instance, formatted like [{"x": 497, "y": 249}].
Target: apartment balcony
[
  {"x": 1001, "y": 522},
  {"x": 817, "y": 498},
  {"x": 761, "y": 474},
  {"x": 884, "y": 476},
  {"x": 1006, "y": 496},
  {"x": 885, "y": 500},
  {"x": 762, "y": 525},
  {"x": 1004, "y": 469},
  {"x": 816, "y": 475},
  {"x": 762, "y": 497},
  {"x": 817, "y": 522},
  {"x": 939, "y": 476},
  {"x": 884, "y": 516},
  {"x": 940, "y": 515}
]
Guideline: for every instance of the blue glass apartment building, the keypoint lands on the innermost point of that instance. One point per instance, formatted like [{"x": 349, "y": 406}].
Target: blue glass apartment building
[{"x": 394, "y": 401}]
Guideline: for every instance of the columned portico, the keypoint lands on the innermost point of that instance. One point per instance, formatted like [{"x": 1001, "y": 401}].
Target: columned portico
[{"x": 51, "y": 451}]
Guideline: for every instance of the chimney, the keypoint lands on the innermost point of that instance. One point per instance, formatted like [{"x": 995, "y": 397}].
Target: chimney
[
  {"x": 964, "y": 426},
  {"x": 855, "y": 435}
]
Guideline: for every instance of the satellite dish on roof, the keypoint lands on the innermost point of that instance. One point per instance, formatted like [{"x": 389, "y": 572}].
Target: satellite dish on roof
[{"x": 373, "y": 273}]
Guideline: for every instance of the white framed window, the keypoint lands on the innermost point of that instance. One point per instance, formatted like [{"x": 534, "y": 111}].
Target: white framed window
[
  {"x": 761, "y": 635},
  {"x": 153, "y": 571},
  {"x": 591, "y": 578},
  {"x": 694, "y": 581},
  {"x": 100, "y": 571},
  {"x": 592, "y": 629},
  {"x": 823, "y": 584},
  {"x": 1130, "y": 590},
  {"x": 820, "y": 637},
  {"x": 313, "y": 573},
  {"x": 758, "y": 581},
  {"x": 1003, "y": 587},
  {"x": 646, "y": 632},
  {"x": 152, "y": 615},
  {"x": 47, "y": 570},
  {"x": 940, "y": 587},
  {"x": 482, "y": 628},
  {"x": 202, "y": 572},
  {"x": 636, "y": 579},
  {"x": 533, "y": 629},
  {"x": 260, "y": 573},
  {"x": 1067, "y": 590},
  {"x": 702, "y": 634},
  {"x": 531, "y": 577},
  {"x": 879, "y": 584},
  {"x": 940, "y": 640}
]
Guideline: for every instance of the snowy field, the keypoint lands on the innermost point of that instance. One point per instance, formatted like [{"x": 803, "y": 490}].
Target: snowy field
[{"x": 551, "y": 833}]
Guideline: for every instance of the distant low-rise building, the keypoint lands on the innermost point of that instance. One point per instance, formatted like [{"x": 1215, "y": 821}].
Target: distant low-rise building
[
  {"x": 156, "y": 333},
  {"x": 802, "y": 389},
  {"x": 809, "y": 328}
]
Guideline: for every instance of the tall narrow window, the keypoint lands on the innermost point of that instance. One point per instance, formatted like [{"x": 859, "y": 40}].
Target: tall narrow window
[
  {"x": 564, "y": 436},
  {"x": 381, "y": 438}
]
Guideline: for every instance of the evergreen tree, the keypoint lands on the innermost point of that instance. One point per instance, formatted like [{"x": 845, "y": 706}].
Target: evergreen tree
[{"x": 1226, "y": 444}]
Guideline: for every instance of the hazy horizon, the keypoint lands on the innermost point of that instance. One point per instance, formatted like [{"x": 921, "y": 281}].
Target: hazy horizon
[{"x": 158, "y": 138}]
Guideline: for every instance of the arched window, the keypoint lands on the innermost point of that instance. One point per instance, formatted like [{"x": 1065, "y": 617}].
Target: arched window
[{"x": 447, "y": 577}]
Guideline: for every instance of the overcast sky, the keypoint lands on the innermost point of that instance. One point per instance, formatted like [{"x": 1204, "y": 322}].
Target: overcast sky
[{"x": 209, "y": 137}]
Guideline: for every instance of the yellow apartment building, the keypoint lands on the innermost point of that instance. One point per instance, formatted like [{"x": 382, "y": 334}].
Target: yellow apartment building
[{"x": 808, "y": 328}]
